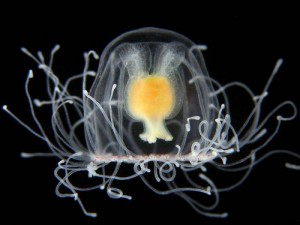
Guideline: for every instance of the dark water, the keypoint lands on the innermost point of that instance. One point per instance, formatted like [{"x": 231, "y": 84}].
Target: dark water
[{"x": 241, "y": 47}]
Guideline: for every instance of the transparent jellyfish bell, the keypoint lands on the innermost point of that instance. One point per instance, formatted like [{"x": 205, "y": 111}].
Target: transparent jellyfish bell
[{"x": 143, "y": 53}]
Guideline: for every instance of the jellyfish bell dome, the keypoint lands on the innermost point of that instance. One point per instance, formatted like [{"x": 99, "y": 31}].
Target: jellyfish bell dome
[{"x": 150, "y": 84}]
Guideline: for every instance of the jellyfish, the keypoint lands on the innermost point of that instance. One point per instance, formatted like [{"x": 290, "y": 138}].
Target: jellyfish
[{"x": 152, "y": 108}]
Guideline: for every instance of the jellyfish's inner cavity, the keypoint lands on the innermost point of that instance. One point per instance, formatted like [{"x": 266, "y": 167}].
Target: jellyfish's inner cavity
[{"x": 150, "y": 99}]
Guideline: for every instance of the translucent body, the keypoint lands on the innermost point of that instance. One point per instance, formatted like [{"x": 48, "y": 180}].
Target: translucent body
[
  {"x": 143, "y": 53},
  {"x": 176, "y": 124}
]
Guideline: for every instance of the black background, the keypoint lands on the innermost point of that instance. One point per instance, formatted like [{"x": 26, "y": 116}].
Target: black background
[{"x": 242, "y": 46}]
